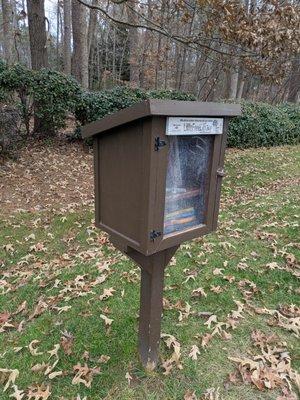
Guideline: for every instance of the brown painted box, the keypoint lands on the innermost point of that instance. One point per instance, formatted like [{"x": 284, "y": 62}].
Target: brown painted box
[{"x": 158, "y": 172}]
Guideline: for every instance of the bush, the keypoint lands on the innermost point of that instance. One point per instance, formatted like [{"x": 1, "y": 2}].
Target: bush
[
  {"x": 19, "y": 80},
  {"x": 265, "y": 125},
  {"x": 94, "y": 105},
  {"x": 55, "y": 94},
  {"x": 170, "y": 95}
]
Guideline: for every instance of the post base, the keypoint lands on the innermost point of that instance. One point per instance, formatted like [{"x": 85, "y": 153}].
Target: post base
[{"x": 151, "y": 302}]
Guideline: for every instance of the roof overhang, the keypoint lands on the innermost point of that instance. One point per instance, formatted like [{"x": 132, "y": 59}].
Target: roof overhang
[{"x": 166, "y": 108}]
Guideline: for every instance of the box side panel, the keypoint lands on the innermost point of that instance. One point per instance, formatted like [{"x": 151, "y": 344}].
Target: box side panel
[{"x": 120, "y": 182}]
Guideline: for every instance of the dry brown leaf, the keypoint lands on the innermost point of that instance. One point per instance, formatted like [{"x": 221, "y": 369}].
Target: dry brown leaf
[
  {"x": 8, "y": 376},
  {"x": 107, "y": 321},
  {"x": 4, "y": 317},
  {"x": 199, "y": 292},
  {"x": 216, "y": 289},
  {"x": 206, "y": 338},
  {"x": 67, "y": 342},
  {"x": 9, "y": 248},
  {"x": 211, "y": 394},
  {"x": 84, "y": 374},
  {"x": 104, "y": 359},
  {"x": 218, "y": 271},
  {"x": 55, "y": 374},
  {"x": 172, "y": 343},
  {"x": 54, "y": 351},
  {"x": 194, "y": 352},
  {"x": 107, "y": 293},
  {"x": 211, "y": 319},
  {"x": 17, "y": 394},
  {"x": 38, "y": 393},
  {"x": 39, "y": 367},
  {"x": 190, "y": 395}
]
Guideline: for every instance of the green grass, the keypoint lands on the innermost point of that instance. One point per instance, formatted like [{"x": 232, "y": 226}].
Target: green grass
[{"x": 260, "y": 198}]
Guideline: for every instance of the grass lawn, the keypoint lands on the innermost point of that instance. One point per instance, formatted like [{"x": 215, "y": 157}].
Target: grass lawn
[{"x": 61, "y": 284}]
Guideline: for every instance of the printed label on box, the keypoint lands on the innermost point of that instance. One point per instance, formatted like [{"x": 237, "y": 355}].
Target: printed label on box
[{"x": 194, "y": 126}]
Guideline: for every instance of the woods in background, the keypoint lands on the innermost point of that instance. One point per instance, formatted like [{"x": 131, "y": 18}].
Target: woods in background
[{"x": 213, "y": 49}]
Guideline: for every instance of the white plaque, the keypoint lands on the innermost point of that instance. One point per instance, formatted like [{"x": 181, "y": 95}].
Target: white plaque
[{"x": 194, "y": 126}]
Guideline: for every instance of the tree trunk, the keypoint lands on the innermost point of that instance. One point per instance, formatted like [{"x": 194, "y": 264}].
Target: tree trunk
[
  {"x": 57, "y": 35},
  {"x": 233, "y": 84},
  {"x": 80, "y": 48},
  {"x": 241, "y": 85},
  {"x": 67, "y": 37},
  {"x": 37, "y": 34},
  {"x": 294, "y": 84},
  {"x": 133, "y": 50},
  {"x": 7, "y": 25},
  {"x": 38, "y": 51},
  {"x": 92, "y": 27}
]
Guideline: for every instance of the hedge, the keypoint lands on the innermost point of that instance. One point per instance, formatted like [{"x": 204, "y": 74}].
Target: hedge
[
  {"x": 94, "y": 105},
  {"x": 265, "y": 125},
  {"x": 59, "y": 95}
]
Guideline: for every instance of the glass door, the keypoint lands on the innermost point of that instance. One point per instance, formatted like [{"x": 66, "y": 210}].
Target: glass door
[{"x": 187, "y": 182}]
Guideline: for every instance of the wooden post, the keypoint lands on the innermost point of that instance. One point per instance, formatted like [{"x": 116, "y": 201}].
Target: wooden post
[{"x": 151, "y": 302}]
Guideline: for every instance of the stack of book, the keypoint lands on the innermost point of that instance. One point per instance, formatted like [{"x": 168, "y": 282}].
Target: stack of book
[{"x": 180, "y": 212}]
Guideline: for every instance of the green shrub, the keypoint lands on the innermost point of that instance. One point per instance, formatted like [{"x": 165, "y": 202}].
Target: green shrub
[
  {"x": 266, "y": 125},
  {"x": 18, "y": 80},
  {"x": 170, "y": 95},
  {"x": 94, "y": 105},
  {"x": 56, "y": 95}
]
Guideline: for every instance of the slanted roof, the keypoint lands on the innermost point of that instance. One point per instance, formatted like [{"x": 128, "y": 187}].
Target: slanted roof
[{"x": 160, "y": 107}]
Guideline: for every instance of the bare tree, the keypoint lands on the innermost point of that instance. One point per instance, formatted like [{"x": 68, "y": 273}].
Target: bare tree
[
  {"x": 37, "y": 34},
  {"x": 38, "y": 49},
  {"x": 133, "y": 48},
  {"x": 80, "y": 46},
  {"x": 67, "y": 37},
  {"x": 7, "y": 25},
  {"x": 233, "y": 84},
  {"x": 92, "y": 27},
  {"x": 294, "y": 83}
]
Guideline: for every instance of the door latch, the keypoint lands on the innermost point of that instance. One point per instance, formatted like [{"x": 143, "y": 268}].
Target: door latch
[{"x": 158, "y": 143}]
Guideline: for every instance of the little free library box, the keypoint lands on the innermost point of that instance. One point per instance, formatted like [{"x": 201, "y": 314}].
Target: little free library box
[{"x": 158, "y": 171}]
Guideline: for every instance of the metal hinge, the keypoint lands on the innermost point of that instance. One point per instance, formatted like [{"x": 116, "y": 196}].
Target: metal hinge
[
  {"x": 154, "y": 234},
  {"x": 158, "y": 143}
]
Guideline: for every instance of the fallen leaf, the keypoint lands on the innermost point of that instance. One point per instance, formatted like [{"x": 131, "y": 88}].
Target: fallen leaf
[
  {"x": 194, "y": 352},
  {"x": 38, "y": 393},
  {"x": 55, "y": 374},
  {"x": 190, "y": 395},
  {"x": 67, "y": 342},
  {"x": 106, "y": 320},
  {"x": 199, "y": 292},
  {"x": 54, "y": 351},
  {"x": 9, "y": 376},
  {"x": 107, "y": 293},
  {"x": 17, "y": 394},
  {"x": 211, "y": 319}
]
